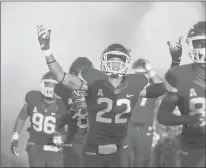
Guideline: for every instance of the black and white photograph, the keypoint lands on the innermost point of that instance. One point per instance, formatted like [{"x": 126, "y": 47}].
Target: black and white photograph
[{"x": 103, "y": 84}]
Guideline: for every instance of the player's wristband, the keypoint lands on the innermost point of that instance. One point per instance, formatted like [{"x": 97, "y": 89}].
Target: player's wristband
[
  {"x": 51, "y": 62},
  {"x": 15, "y": 136},
  {"x": 47, "y": 52}
]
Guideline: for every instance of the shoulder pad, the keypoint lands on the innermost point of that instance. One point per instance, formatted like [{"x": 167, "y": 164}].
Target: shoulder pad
[
  {"x": 139, "y": 81},
  {"x": 33, "y": 96},
  {"x": 178, "y": 70},
  {"x": 62, "y": 91},
  {"x": 90, "y": 75},
  {"x": 175, "y": 74}
]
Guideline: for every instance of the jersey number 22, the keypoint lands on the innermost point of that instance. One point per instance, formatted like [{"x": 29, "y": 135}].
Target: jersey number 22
[{"x": 109, "y": 102}]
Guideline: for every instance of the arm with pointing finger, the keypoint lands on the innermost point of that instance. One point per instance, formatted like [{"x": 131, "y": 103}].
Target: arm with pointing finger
[
  {"x": 68, "y": 80},
  {"x": 176, "y": 52}
]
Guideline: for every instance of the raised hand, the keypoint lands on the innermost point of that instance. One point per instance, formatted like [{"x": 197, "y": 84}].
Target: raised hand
[
  {"x": 176, "y": 50},
  {"x": 43, "y": 37}
]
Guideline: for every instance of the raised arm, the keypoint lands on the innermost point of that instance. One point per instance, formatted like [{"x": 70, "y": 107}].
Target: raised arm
[
  {"x": 67, "y": 79},
  {"x": 156, "y": 87},
  {"x": 175, "y": 52}
]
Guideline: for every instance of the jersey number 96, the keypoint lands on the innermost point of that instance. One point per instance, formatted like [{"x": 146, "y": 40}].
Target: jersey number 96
[
  {"x": 43, "y": 123},
  {"x": 109, "y": 102}
]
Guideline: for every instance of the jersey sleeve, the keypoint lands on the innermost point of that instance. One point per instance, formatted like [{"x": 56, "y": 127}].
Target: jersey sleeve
[
  {"x": 62, "y": 110},
  {"x": 171, "y": 80},
  {"x": 155, "y": 90},
  {"x": 29, "y": 100},
  {"x": 62, "y": 91},
  {"x": 141, "y": 81},
  {"x": 64, "y": 117},
  {"x": 58, "y": 89}
]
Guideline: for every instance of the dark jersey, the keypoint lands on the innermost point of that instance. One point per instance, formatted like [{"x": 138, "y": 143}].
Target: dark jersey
[
  {"x": 144, "y": 111},
  {"x": 109, "y": 108},
  {"x": 76, "y": 106},
  {"x": 43, "y": 117},
  {"x": 191, "y": 90}
]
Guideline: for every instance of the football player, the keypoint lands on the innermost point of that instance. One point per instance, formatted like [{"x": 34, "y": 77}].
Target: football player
[
  {"x": 44, "y": 145},
  {"x": 140, "y": 131},
  {"x": 186, "y": 89},
  {"x": 111, "y": 96},
  {"x": 76, "y": 105}
]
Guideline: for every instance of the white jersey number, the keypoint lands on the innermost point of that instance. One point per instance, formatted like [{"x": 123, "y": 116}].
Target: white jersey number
[
  {"x": 82, "y": 122},
  {"x": 109, "y": 102},
  {"x": 81, "y": 119},
  {"x": 193, "y": 105},
  {"x": 43, "y": 123},
  {"x": 197, "y": 104}
]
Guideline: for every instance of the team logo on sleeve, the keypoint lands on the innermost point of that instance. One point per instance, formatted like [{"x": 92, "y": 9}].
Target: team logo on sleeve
[
  {"x": 100, "y": 92},
  {"x": 192, "y": 92}
]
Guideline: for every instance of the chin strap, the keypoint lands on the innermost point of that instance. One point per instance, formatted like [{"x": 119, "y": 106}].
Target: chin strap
[{"x": 49, "y": 100}]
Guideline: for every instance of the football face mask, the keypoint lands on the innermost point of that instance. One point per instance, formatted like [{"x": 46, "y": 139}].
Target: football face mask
[
  {"x": 196, "y": 39},
  {"x": 115, "y": 63},
  {"x": 47, "y": 87},
  {"x": 197, "y": 49}
]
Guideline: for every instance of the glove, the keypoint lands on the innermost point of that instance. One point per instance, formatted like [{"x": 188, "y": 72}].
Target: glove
[
  {"x": 176, "y": 50},
  {"x": 196, "y": 119},
  {"x": 58, "y": 139},
  {"x": 14, "y": 145},
  {"x": 43, "y": 37}
]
